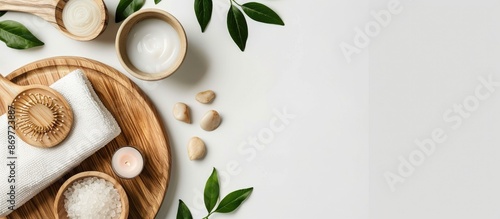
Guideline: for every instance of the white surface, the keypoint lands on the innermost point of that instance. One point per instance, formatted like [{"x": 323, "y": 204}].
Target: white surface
[
  {"x": 427, "y": 61},
  {"x": 352, "y": 119}
]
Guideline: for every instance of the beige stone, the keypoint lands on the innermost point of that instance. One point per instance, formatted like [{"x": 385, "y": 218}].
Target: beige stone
[
  {"x": 205, "y": 96},
  {"x": 181, "y": 112},
  {"x": 196, "y": 148},
  {"x": 210, "y": 121}
]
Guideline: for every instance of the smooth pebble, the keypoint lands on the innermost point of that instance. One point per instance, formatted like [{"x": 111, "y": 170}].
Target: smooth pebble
[
  {"x": 196, "y": 148},
  {"x": 210, "y": 121},
  {"x": 181, "y": 112},
  {"x": 205, "y": 96}
]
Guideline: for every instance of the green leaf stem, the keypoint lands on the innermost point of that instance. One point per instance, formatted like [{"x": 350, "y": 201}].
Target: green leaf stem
[{"x": 211, "y": 197}]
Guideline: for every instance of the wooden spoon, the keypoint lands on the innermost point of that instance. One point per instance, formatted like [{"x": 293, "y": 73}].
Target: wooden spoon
[
  {"x": 42, "y": 117},
  {"x": 51, "y": 11}
]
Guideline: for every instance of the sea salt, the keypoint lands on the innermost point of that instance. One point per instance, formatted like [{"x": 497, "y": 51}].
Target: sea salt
[{"x": 92, "y": 198}]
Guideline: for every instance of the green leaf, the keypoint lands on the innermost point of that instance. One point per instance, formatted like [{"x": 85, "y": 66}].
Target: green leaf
[
  {"x": 183, "y": 211},
  {"x": 127, "y": 7},
  {"x": 157, "y": 1},
  {"x": 203, "y": 10},
  {"x": 261, "y": 13},
  {"x": 2, "y": 13},
  {"x": 211, "y": 195},
  {"x": 237, "y": 26},
  {"x": 232, "y": 201},
  {"x": 17, "y": 36}
]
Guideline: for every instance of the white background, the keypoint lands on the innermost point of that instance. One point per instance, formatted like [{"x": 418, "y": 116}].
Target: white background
[{"x": 353, "y": 120}]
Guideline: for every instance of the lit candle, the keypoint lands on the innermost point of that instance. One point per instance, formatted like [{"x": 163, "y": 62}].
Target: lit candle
[{"x": 127, "y": 162}]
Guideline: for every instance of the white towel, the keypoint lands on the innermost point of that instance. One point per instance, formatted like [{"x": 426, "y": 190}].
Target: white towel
[{"x": 37, "y": 168}]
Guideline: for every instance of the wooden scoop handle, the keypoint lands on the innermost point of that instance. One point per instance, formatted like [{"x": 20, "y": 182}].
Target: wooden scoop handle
[
  {"x": 8, "y": 91},
  {"x": 45, "y": 9}
]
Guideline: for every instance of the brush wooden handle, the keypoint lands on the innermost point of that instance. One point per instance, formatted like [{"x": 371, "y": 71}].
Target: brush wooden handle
[
  {"x": 8, "y": 91},
  {"x": 45, "y": 9}
]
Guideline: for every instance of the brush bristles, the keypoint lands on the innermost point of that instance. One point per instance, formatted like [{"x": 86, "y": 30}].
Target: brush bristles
[{"x": 23, "y": 103}]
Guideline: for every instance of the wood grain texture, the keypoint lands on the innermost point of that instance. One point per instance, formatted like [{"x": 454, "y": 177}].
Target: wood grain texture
[
  {"x": 140, "y": 124},
  {"x": 60, "y": 211},
  {"x": 41, "y": 8},
  {"x": 8, "y": 91},
  {"x": 51, "y": 11}
]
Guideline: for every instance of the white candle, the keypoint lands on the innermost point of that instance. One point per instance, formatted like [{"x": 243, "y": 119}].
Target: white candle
[{"x": 127, "y": 162}]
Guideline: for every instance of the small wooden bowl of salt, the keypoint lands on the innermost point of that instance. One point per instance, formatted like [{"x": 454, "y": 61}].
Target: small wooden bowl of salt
[{"x": 91, "y": 194}]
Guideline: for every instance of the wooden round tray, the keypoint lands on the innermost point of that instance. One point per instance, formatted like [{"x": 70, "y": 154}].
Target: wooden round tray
[{"x": 140, "y": 124}]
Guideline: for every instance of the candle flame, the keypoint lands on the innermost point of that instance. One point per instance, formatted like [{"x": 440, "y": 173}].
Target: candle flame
[{"x": 127, "y": 163}]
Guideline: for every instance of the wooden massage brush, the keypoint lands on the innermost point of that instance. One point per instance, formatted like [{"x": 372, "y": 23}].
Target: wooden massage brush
[{"x": 42, "y": 117}]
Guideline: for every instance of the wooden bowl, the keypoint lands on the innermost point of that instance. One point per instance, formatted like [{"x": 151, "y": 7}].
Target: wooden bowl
[
  {"x": 103, "y": 21},
  {"x": 60, "y": 212},
  {"x": 52, "y": 10},
  {"x": 123, "y": 34}
]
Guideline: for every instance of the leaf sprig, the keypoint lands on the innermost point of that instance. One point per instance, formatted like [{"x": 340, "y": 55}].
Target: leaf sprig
[
  {"x": 17, "y": 36},
  {"x": 211, "y": 196},
  {"x": 236, "y": 22}
]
